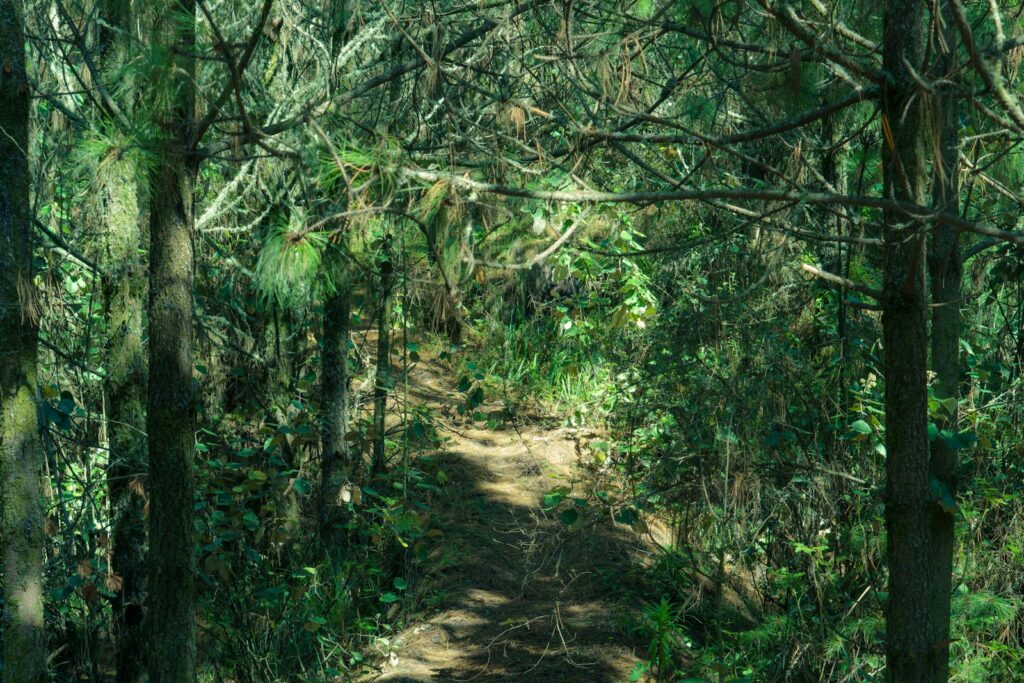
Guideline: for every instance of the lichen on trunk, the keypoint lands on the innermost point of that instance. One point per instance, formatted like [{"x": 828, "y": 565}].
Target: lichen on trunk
[
  {"x": 21, "y": 519},
  {"x": 124, "y": 386}
]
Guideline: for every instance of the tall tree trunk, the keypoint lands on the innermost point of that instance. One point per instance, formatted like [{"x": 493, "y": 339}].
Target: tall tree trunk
[
  {"x": 334, "y": 359},
  {"x": 382, "y": 379},
  {"x": 21, "y": 524},
  {"x": 946, "y": 272},
  {"x": 124, "y": 290},
  {"x": 124, "y": 293},
  {"x": 171, "y": 409},
  {"x": 911, "y": 654}
]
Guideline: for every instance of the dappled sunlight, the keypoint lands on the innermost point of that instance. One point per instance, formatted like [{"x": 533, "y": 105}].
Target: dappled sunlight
[{"x": 521, "y": 598}]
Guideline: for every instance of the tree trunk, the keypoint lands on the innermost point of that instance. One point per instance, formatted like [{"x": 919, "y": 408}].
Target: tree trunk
[
  {"x": 21, "y": 524},
  {"x": 123, "y": 294},
  {"x": 171, "y": 410},
  {"x": 124, "y": 290},
  {"x": 911, "y": 652},
  {"x": 946, "y": 272},
  {"x": 382, "y": 379},
  {"x": 277, "y": 353},
  {"x": 335, "y": 405}
]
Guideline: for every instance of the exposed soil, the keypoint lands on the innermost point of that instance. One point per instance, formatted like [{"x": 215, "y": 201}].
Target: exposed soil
[{"x": 516, "y": 594}]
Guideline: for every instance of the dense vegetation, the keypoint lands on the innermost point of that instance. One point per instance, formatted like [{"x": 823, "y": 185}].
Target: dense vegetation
[{"x": 763, "y": 254}]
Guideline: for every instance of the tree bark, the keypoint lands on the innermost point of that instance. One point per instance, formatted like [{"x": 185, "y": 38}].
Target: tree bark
[
  {"x": 123, "y": 294},
  {"x": 171, "y": 406},
  {"x": 21, "y": 529},
  {"x": 334, "y": 450},
  {"x": 946, "y": 272},
  {"x": 382, "y": 379},
  {"x": 911, "y": 652},
  {"x": 124, "y": 291}
]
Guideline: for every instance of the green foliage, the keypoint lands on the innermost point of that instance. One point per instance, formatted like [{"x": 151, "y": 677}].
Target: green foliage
[
  {"x": 290, "y": 262},
  {"x": 365, "y": 173},
  {"x": 258, "y": 592},
  {"x": 725, "y": 407},
  {"x": 659, "y": 624}
]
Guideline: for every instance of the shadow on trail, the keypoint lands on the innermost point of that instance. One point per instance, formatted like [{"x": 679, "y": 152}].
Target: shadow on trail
[{"x": 519, "y": 595}]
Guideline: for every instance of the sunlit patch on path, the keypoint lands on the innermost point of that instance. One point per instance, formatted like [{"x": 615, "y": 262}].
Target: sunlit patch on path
[{"x": 517, "y": 595}]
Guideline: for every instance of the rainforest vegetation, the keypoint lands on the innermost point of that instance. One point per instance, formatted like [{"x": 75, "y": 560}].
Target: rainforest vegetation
[{"x": 528, "y": 340}]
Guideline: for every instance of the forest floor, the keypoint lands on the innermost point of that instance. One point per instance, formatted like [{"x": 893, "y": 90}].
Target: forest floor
[{"x": 512, "y": 593}]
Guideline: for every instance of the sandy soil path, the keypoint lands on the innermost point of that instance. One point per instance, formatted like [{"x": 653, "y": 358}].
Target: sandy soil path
[{"x": 516, "y": 594}]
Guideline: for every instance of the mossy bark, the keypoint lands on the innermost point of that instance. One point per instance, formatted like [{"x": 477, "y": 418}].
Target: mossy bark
[
  {"x": 124, "y": 288},
  {"x": 171, "y": 406},
  {"x": 21, "y": 521},
  {"x": 124, "y": 291}
]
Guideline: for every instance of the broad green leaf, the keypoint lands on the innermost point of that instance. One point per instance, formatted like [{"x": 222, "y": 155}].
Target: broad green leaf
[
  {"x": 861, "y": 427},
  {"x": 569, "y": 517}
]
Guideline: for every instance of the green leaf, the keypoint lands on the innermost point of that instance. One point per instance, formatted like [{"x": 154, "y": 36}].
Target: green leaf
[
  {"x": 861, "y": 427},
  {"x": 302, "y": 486},
  {"x": 388, "y": 598},
  {"x": 250, "y": 520},
  {"x": 67, "y": 403},
  {"x": 400, "y": 584},
  {"x": 943, "y": 496},
  {"x": 959, "y": 440},
  {"x": 948, "y": 405},
  {"x": 553, "y": 498},
  {"x": 569, "y": 517}
]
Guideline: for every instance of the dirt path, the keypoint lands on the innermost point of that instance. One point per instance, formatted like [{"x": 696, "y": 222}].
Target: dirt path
[{"x": 517, "y": 595}]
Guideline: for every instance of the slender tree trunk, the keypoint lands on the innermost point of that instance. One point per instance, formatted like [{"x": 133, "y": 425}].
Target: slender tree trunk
[
  {"x": 124, "y": 291},
  {"x": 278, "y": 356},
  {"x": 911, "y": 652},
  {"x": 335, "y": 452},
  {"x": 171, "y": 409},
  {"x": 382, "y": 379},
  {"x": 833, "y": 173},
  {"x": 946, "y": 272},
  {"x": 21, "y": 524}
]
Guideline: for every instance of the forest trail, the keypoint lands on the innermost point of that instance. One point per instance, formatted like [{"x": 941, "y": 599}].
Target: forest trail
[{"x": 512, "y": 593}]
